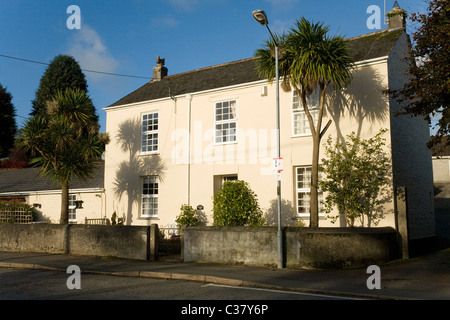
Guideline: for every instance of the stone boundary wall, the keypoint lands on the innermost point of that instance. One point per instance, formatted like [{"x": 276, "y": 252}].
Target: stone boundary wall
[
  {"x": 303, "y": 247},
  {"x": 130, "y": 242}
]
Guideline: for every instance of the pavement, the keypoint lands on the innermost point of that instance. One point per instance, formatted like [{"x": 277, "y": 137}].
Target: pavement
[{"x": 424, "y": 277}]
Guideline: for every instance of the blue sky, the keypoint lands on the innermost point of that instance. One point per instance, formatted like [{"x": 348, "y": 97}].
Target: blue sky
[{"x": 124, "y": 37}]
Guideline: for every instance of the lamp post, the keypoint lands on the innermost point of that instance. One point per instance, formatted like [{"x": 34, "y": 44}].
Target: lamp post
[{"x": 261, "y": 17}]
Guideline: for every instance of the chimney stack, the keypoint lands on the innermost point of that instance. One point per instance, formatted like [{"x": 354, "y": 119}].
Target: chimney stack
[
  {"x": 159, "y": 71},
  {"x": 396, "y": 17}
]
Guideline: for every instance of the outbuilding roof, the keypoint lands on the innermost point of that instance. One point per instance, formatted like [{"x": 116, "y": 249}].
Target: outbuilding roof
[
  {"x": 29, "y": 179},
  {"x": 366, "y": 47}
]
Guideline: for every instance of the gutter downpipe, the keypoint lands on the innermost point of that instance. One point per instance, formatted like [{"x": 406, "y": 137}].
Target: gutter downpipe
[{"x": 188, "y": 173}]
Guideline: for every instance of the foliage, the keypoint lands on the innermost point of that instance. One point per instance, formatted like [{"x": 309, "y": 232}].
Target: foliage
[
  {"x": 64, "y": 140},
  {"x": 236, "y": 205},
  {"x": 188, "y": 216},
  {"x": 62, "y": 73},
  {"x": 357, "y": 176},
  {"x": 310, "y": 62},
  {"x": 119, "y": 221},
  {"x": 17, "y": 158},
  {"x": 399, "y": 12},
  {"x": 427, "y": 93},
  {"x": 8, "y": 126},
  {"x": 16, "y": 208}
]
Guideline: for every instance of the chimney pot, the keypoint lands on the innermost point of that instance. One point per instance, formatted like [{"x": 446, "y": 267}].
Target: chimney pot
[
  {"x": 396, "y": 17},
  {"x": 160, "y": 71}
]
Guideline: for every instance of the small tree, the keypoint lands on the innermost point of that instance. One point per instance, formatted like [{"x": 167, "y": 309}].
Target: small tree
[
  {"x": 357, "y": 173},
  {"x": 188, "y": 216},
  {"x": 236, "y": 205}
]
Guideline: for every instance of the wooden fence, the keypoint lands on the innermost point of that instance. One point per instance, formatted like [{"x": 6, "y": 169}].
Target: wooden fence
[
  {"x": 12, "y": 213},
  {"x": 97, "y": 221}
]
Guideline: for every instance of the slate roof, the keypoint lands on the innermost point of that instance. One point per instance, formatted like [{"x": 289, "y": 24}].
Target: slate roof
[
  {"x": 373, "y": 45},
  {"x": 442, "y": 148},
  {"x": 29, "y": 179}
]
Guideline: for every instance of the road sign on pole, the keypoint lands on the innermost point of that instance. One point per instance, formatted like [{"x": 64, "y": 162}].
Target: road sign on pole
[{"x": 277, "y": 165}]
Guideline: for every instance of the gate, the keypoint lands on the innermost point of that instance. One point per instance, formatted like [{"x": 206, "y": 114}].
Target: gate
[{"x": 169, "y": 243}]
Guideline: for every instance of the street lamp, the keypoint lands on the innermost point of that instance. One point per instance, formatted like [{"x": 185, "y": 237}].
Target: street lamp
[{"x": 261, "y": 17}]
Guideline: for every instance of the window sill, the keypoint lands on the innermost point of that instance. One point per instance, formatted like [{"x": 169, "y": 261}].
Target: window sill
[
  {"x": 141, "y": 154},
  {"x": 218, "y": 144},
  {"x": 307, "y": 216},
  {"x": 148, "y": 218}
]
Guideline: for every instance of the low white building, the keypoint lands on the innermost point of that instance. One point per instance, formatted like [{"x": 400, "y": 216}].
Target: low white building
[{"x": 86, "y": 197}]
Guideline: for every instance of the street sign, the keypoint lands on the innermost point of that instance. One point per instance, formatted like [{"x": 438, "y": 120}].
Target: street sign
[{"x": 277, "y": 165}]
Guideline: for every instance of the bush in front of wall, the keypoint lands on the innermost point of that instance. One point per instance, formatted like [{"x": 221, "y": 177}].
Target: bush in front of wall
[{"x": 236, "y": 205}]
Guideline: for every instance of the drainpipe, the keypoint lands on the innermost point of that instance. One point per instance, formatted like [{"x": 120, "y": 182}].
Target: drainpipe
[{"x": 188, "y": 173}]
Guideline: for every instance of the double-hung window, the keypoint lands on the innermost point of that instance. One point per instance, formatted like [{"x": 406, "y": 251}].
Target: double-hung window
[
  {"x": 149, "y": 200},
  {"x": 149, "y": 133},
  {"x": 72, "y": 208},
  {"x": 300, "y": 123},
  {"x": 303, "y": 191},
  {"x": 225, "y": 121}
]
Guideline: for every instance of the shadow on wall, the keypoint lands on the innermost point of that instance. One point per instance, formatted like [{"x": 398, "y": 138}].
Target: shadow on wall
[
  {"x": 41, "y": 217},
  {"x": 129, "y": 172},
  {"x": 287, "y": 214},
  {"x": 363, "y": 100}
]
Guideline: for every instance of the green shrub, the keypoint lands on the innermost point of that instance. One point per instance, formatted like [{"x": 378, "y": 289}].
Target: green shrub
[
  {"x": 236, "y": 205},
  {"x": 188, "y": 216}
]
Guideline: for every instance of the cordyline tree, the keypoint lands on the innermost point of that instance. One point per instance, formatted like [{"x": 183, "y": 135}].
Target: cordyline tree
[
  {"x": 427, "y": 93},
  {"x": 64, "y": 140},
  {"x": 310, "y": 62}
]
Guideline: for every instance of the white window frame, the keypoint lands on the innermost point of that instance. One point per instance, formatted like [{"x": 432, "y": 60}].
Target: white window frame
[
  {"x": 72, "y": 208},
  {"x": 231, "y": 131},
  {"x": 231, "y": 177},
  {"x": 150, "y": 197},
  {"x": 305, "y": 190},
  {"x": 299, "y": 114},
  {"x": 151, "y": 135},
  {"x": 219, "y": 180}
]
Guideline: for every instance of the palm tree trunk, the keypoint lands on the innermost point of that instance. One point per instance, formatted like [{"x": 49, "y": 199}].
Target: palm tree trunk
[
  {"x": 314, "y": 194},
  {"x": 64, "y": 219}
]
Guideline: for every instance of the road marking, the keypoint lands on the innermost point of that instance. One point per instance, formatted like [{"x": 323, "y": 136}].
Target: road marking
[{"x": 280, "y": 291}]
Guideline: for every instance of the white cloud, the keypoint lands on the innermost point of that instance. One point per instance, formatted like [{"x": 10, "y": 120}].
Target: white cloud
[
  {"x": 164, "y": 22},
  {"x": 89, "y": 50},
  {"x": 279, "y": 26}
]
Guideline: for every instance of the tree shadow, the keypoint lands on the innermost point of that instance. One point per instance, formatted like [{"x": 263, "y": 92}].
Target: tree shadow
[
  {"x": 129, "y": 173},
  {"x": 362, "y": 100},
  {"x": 287, "y": 214}
]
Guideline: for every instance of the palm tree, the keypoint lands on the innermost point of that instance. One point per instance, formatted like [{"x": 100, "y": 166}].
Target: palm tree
[
  {"x": 65, "y": 141},
  {"x": 310, "y": 61}
]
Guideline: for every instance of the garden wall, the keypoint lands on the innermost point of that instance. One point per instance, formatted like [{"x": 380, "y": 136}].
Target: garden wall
[
  {"x": 132, "y": 242},
  {"x": 303, "y": 247}
]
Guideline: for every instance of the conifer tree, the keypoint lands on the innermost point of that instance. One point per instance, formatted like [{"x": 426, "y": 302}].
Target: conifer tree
[
  {"x": 8, "y": 126},
  {"x": 62, "y": 73}
]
